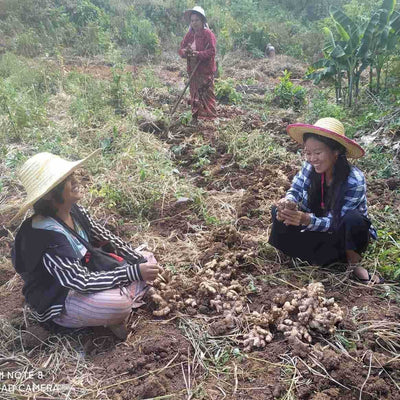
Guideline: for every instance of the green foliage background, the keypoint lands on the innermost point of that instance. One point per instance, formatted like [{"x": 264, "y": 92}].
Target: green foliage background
[{"x": 144, "y": 27}]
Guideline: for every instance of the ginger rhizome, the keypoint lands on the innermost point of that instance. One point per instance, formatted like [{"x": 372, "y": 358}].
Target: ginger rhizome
[{"x": 298, "y": 314}]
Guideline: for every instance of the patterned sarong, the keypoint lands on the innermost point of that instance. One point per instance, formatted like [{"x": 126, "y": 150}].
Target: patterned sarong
[{"x": 202, "y": 97}]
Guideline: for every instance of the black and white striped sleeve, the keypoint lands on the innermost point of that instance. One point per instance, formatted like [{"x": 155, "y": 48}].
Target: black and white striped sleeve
[
  {"x": 100, "y": 233},
  {"x": 73, "y": 275}
]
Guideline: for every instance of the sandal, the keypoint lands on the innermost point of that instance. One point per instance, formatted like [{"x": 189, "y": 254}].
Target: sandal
[{"x": 372, "y": 279}]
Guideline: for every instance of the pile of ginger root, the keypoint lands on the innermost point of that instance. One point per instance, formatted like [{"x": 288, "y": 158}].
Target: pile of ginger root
[
  {"x": 217, "y": 288},
  {"x": 296, "y": 314},
  {"x": 213, "y": 288}
]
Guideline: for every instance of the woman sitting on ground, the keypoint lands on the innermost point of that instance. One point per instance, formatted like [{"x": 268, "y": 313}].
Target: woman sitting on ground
[
  {"x": 59, "y": 284},
  {"x": 323, "y": 218},
  {"x": 199, "y": 47}
]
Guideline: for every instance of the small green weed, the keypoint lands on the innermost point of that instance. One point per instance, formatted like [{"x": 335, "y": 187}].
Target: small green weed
[
  {"x": 14, "y": 159},
  {"x": 202, "y": 155},
  {"x": 112, "y": 197},
  {"x": 386, "y": 251},
  {"x": 185, "y": 117},
  {"x": 342, "y": 336},
  {"x": 391, "y": 293},
  {"x": 379, "y": 161},
  {"x": 225, "y": 91}
]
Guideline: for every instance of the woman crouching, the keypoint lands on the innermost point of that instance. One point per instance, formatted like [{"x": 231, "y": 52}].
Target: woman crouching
[
  {"x": 51, "y": 253},
  {"x": 323, "y": 218}
]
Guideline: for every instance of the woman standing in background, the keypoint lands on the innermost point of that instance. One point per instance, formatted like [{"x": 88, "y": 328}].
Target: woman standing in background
[{"x": 199, "y": 48}]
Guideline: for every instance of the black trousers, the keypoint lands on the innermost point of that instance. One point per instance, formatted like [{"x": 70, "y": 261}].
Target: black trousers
[{"x": 322, "y": 248}]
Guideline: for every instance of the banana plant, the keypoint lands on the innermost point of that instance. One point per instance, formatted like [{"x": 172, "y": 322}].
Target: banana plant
[
  {"x": 359, "y": 45},
  {"x": 351, "y": 34},
  {"x": 380, "y": 38},
  {"x": 340, "y": 56},
  {"x": 329, "y": 67}
]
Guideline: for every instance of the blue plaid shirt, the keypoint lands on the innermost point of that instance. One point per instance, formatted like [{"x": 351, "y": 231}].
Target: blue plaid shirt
[{"x": 354, "y": 197}]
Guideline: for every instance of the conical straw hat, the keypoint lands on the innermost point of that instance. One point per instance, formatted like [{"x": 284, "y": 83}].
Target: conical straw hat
[
  {"x": 42, "y": 173},
  {"x": 330, "y": 128}
]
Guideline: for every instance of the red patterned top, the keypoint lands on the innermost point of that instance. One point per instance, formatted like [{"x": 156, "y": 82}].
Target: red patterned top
[{"x": 206, "y": 46}]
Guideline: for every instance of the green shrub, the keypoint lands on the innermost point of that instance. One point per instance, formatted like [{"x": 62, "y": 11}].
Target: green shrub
[
  {"x": 121, "y": 90},
  {"x": 146, "y": 38},
  {"x": 92, "y": 40},
  {"x": 253, "y": 37},
  {"x": 28, "y": 44},
  {"x": 225, "y": 91},
  {"x": 225, "y": 26},
  {"x": 321, "y": 107},
  {"x": 289, "y": 95},
  {"x": 85, "y": 12},
  {"x": 139, "y": 33},
  {"x": 225, "y": 42}
]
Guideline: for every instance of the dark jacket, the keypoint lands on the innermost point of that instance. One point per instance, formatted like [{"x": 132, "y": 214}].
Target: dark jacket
[{"x": 46, "y": 286}]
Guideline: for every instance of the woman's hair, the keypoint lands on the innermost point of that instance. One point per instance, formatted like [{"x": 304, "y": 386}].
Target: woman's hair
[
  {"x": 45, "y": 207},
  {"x": 335, "y": 194}
]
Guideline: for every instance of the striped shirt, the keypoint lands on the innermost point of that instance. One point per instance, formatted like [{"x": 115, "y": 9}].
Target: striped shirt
[
  {"x": 72, "y": 274},
  {"x": 354, "y": 198}
]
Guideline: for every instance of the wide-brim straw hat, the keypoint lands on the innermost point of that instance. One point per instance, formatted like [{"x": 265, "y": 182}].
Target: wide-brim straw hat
[
  {"x": 42, "y": 173},
  {"x": 330, "y": 128},
  {"x": 195, "y": 9}
]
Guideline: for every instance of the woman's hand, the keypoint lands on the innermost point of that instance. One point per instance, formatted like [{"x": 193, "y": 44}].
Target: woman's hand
[
  {"x": 150, "y": 269},
  {"x": 288, "y": 214},
  {"x": 294, "y": 217},
  {"x": 282, "y": 205}
]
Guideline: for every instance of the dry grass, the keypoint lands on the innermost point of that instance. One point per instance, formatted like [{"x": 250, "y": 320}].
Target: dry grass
[
  {"x": 56, "y": 363},
  {"x": 137, "y": 174}
]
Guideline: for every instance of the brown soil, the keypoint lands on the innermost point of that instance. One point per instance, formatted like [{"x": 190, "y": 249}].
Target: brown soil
[
  {"x": 149, "y": 348},
  {"x": 384, "y": 192},
  {"x": 176, "y": 218}
]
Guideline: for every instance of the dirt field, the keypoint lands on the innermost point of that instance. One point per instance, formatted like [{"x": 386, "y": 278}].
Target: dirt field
[{"x": 196, "y": 350}]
